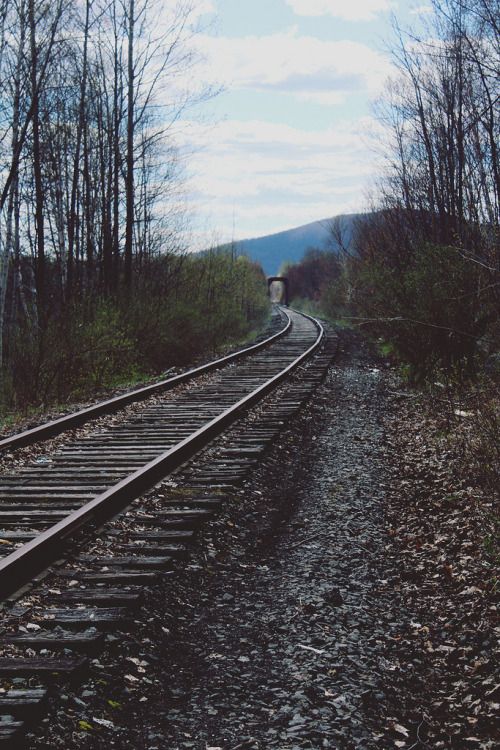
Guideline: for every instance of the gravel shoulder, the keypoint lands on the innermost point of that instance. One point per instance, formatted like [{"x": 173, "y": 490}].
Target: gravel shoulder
[
  {"x": 289, "y": 647},
  {"x": 337, "y": 602}
]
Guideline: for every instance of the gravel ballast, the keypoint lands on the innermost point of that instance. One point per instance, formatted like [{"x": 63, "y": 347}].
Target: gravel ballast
[{"x": 296, "y": 622}]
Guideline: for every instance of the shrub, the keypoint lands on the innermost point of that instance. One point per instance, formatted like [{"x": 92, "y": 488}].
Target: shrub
[{"x": 181, "y": 308}]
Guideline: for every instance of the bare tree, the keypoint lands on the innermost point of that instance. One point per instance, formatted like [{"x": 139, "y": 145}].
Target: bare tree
[
  {"x": 88, "y": 194},
  {"x": 428, "y": 263}
]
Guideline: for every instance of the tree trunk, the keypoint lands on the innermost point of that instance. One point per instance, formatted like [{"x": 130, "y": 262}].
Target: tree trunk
[
  {"x": 37, "y": 169},
  {"x": 72, "y": 218},
  {"x": 129, "y": 178}
]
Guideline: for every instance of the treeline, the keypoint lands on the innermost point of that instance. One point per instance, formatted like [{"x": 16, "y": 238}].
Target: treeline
[
  {"x": 310, "y": 279},
  {"x": 93, "y": 284},
  {"x": 423, "y": 270},
  {"x": 183, "y": 307},
  {"x": 314, "y": 282}
]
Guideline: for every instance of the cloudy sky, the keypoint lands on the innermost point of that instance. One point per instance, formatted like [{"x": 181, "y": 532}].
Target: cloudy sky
[{"x": 290, "y": 139}]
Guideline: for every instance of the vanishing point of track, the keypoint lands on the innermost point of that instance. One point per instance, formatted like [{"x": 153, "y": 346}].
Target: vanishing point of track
[{"x": 90, "y": 479}]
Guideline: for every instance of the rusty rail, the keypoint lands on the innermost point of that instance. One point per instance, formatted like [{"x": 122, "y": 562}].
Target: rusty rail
[
  {"x": 26, "y": 562},
  {"x": 70, "y": 421}
]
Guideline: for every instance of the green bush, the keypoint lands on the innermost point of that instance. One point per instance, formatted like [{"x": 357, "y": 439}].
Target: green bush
[
  {"x": 180, "y": 309},
  {"x": 428, "y": 308}
]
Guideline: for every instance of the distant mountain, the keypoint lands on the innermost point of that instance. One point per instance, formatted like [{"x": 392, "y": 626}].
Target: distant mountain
[{"x": 274, "y": 249}]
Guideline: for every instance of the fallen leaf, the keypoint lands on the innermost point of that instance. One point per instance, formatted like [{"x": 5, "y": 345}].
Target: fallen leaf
[
  {"x": 311, "y": 648},
  {"x": 104, "y": 723},
  {"x": 401, "y": 729}
]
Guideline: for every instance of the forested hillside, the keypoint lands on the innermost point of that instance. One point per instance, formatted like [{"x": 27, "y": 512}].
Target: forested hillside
[
  {"x": 273, "y": 250},
  {"x": 94, "y": 287}
]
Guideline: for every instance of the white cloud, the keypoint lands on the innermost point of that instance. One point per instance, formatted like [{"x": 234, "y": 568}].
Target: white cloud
[
  {"x": 302, "y": 66},
  {"x": 197, "y": 8},
  {"x": 260, "y": 176},
  {"x": 422, "y": 10},
  {"x": 205, "y": 6},
  {"x": 349, "y": 10},
  {"x": 271, "y": 176}
]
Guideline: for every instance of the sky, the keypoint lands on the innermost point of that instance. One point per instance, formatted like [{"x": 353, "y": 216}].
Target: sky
[{"x": 292, "y": 137}]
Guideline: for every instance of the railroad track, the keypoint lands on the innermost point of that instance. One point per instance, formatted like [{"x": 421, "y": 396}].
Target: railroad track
[{"x": 67, "y": 507}]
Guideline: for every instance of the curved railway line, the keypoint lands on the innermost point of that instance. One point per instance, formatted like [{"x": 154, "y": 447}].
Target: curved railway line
[{"x": 59, "y": 518}]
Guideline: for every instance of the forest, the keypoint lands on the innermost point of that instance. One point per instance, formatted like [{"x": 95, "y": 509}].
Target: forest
[
  {"x": 93, "y": 267},
  {"x": 95, "y": 280},
  {"x": 422, "y": 270}
]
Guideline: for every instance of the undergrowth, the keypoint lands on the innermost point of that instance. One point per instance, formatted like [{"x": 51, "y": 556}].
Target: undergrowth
[{"x": 177, "y": 311}]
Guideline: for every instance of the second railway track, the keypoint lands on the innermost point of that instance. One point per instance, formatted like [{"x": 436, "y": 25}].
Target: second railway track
[{"x": 90, "y": 479}]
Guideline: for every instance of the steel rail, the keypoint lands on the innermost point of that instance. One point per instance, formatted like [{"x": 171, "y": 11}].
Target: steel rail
[
  {"x": 75, "y": 419},
  {"x": 27, "y": 561}
]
